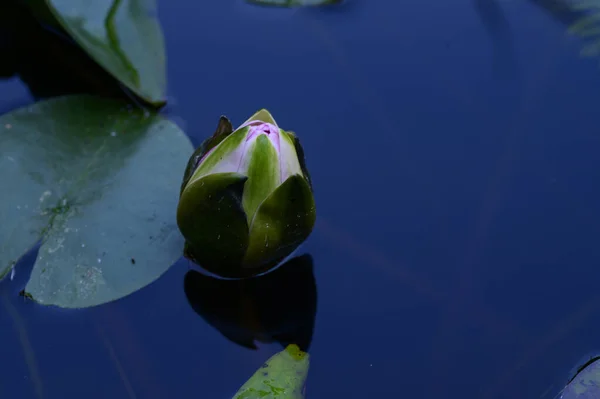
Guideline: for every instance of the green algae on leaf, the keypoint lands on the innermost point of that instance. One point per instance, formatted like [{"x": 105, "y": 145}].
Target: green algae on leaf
[
  {"x": 98, "y": 183},
  {"x": 123, "y": 36},
  {"x": 294, "y": 3},
  {"x": 283, "y": 376}
]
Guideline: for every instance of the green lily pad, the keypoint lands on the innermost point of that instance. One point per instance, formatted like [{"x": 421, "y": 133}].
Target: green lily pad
[
  {"x": 283, "y": 376},
  {"x": 294, "y": 3},
  {"x": 585, "y": 384},
  {"x": 98, "y": 182},
  {"x": 123, "y": 36}
]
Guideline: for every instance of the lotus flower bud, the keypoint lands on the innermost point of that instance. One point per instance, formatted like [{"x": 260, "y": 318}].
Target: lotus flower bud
[{"x": 246, "y": 200}]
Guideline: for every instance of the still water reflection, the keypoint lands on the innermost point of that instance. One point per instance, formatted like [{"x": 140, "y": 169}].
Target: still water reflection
[
  {"x": 453, "y": 149},
  {"x": 277, "y": 307}
]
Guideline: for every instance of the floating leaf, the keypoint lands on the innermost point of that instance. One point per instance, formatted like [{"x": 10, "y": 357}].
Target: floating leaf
[
  {"x": 283, "y": 376},
  {"x": 123, "y": 36},
  {"x": 98, "y": 182},
  {"x": 294, "y": 3},
  {"x": 48, "y": 64},
  {"x": 586, "y": 383}
]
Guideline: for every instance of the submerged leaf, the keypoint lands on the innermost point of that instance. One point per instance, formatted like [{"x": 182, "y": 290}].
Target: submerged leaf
[
  {"x": 589, "y": 32},
  {"x": 592, "y": 49},
  {"x": 123, "y": 36},
  {"x": 98, "y": 182},
  {"x": 282, "y": 376},
  {"x": 586, "y": 25},
  {"x": 294, "y": 3},
  {"x": 585, "y": 5}
]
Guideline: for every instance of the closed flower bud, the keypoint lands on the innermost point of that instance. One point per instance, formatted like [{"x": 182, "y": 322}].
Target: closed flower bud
[{"x": 246, "y": 200}]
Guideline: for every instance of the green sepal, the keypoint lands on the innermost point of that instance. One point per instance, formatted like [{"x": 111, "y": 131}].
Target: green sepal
[
  {"x": 282, "y": 222},
  {"x": 212, "y": 221},
  {"x": 262, "y": 115},
  {"x": 224, "y": 129},
  {"x": 263, "y": 175},
  {"x": 282, "y": 376},
  {"x": 300, "y": 154}
]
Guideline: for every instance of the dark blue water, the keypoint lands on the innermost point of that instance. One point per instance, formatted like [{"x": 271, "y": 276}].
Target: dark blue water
[{"x": 454, "y": 153}]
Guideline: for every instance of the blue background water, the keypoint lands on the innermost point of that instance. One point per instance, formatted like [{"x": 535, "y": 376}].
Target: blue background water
[{"x": 454, "y": 153}]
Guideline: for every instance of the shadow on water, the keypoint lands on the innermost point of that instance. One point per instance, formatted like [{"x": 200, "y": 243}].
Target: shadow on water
[
  {"x": 276, "y": 307},
  {"x": 47, "y": 60}
]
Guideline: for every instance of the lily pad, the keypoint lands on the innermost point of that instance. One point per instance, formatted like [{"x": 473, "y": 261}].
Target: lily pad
[
  {"x": 123, "y": 36},
  {"x": 586, "y": 383},
  {"x": 294, "y": 3},
  {"x": 98, "y": 182},
  {"x": 283, "y": 376}
]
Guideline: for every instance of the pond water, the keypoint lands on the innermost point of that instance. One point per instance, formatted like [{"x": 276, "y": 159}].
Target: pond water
[{"x": 454, "y": 154}]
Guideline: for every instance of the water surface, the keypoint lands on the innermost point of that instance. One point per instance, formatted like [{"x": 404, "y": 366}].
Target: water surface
[{"x": 454, "y": 154}]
